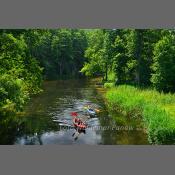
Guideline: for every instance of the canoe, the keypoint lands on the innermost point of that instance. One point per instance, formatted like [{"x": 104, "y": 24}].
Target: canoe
[
  {"x": 91, "y": 111},
  {"x": 79, "y": 124}
]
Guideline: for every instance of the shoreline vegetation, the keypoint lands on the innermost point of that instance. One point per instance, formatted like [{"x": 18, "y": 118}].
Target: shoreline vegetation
[
  {"x": 138, "y": 72},
  {"x": 130, "y": 61},
  {"x": 154, "y": 108}
]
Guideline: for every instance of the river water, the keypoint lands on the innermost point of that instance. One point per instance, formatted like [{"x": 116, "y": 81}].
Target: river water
[{"x": 46, "y": 118}]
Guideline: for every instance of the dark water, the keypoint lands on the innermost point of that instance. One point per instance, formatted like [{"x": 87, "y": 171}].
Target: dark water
[{"x": 46, "y": 119}]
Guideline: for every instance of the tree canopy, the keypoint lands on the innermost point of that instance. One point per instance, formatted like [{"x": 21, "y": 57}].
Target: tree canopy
[{"x": 143, "y": 57}]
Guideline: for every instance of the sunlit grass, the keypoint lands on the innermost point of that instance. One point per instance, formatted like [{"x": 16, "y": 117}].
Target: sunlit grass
[
  {"x": 156, "y": 109},
  {"x": 109, "y": 85}
]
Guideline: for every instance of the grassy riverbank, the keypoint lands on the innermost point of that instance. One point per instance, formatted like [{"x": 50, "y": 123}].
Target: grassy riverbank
[{"x": 156, "y": 109}]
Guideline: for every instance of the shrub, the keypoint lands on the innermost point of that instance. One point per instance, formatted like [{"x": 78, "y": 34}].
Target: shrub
[{"x": 12, "y": 94}]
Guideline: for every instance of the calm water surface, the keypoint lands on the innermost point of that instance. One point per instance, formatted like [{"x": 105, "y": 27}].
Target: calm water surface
[{"x": 46, "y": 119}]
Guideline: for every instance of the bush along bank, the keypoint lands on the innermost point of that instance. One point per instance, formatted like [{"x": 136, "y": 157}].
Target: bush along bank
[
  {"x": 155, "y": 109},
  {"x": 14, "y": 93},
  {"x": 20, "y": 74}
]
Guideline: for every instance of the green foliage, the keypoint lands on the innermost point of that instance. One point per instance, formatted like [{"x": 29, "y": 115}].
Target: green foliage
[
  {"x": 148, "y": 104},
  {"x": 31, "y": 55},
  {"x": 142, "y": 57},
  {"x": 91, "y": 69},
  {"x": 163, "y": 77},
  {"x": 120, "y": 60},
  {"x": 12, "y": 94},
  {"x": 111, "y": 76},
  {"x": 60, "y": 52},
  {"x": 109, "y": 85},
  {"x": 20, "y": 74},
  {"x": 95, "y": 54}
]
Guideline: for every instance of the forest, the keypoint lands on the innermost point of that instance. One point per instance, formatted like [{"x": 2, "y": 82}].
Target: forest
[
  {"x": 141, "y": 61},
  {"x": 141, "y": 57}
]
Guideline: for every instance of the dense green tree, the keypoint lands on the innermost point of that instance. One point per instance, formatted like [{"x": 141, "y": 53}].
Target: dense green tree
[
  {"x": 20, "y": 74},
  {"x": 94, "y": 53},
  {"x": 60, "y": 52},
  {"x": 120, "y": 60},
  {"x": 163, "y": 77},
  {"x": 79, "y": 44}
]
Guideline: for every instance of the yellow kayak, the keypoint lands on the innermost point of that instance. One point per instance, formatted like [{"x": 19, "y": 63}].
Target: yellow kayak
[{"x": 90, "y": 110}]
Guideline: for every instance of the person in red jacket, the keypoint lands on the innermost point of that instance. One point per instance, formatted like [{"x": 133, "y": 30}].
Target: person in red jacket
[{"x": 77, "y": 122}]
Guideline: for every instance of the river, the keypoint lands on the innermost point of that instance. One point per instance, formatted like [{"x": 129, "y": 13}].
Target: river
[{"x": 46, "y": 118}]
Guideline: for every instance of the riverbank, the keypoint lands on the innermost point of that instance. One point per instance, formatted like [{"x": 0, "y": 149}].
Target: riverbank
[{"x": 156, "y": 110}]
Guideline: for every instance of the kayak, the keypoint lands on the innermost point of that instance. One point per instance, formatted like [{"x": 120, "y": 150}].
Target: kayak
[
  {"x": 91, "y": 111},
  {"x": 79, "y": 124}
]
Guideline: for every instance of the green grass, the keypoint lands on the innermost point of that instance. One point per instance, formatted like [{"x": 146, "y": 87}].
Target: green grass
[
  {"x": 111, "y": 80},
  {"x": 109, "y": 85},
  {"x": 156, "y": 109}
]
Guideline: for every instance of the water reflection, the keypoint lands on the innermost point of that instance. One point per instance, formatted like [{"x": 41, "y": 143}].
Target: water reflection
[{"x": 46, "y": 119}]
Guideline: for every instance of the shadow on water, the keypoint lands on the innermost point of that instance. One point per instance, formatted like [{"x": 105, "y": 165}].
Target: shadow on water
[{"x": 46, "y": 119}]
